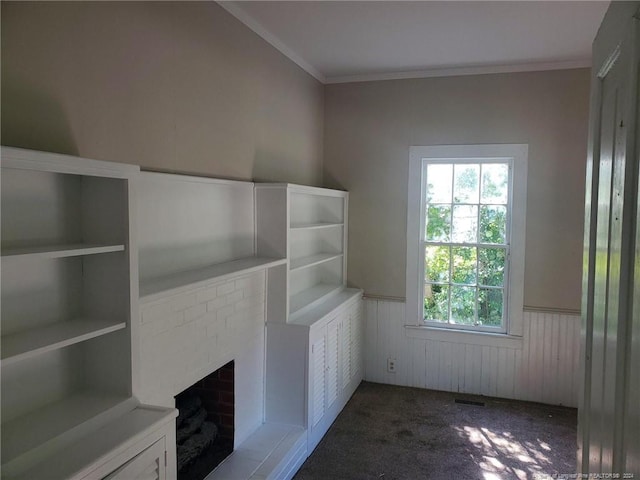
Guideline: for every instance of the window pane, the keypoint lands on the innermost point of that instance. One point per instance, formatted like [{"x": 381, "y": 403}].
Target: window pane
[
  {"x": 491, "y": 263},
  {"x": 464, "y": 265},
  {"x": 463, "y": 302},
  {"x": 436, "y": 303},
  {"x": 490, "y": 307},
  {"x": 495, "y": 183},
  {"x": 493, "y": 224},
  {"x": 438, "y": 223},
  {"x": 466, "y": 183},
  {"x": 439, "y": 183},
  {"x": 436, "y": 264},
  {"x": 465, "y": 223}
]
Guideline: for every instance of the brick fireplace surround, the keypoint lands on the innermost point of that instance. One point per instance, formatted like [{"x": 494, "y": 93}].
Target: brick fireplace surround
[{"x": 189, "y": 335}]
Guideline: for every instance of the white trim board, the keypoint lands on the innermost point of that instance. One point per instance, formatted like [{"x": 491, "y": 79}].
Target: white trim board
[
  {"x": 237, "y": 11},
  {"x": 461, "y": 71}
]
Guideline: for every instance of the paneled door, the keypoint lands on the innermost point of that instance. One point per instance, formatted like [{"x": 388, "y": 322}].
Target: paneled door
[{"x": 607, "y": 416}]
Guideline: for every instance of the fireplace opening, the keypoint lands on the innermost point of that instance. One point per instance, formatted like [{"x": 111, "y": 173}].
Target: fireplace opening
[{"x": 205, "y": 424}]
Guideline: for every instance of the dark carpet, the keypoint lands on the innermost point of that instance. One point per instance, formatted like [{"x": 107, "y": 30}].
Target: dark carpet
[{"x": 387, "y": 432}]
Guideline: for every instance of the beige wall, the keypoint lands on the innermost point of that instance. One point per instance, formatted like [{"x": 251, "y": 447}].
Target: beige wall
[
  {"x": 183, "y": 86},
  {"x": 175, "y": 86},
  {"x": 370, "y": 126}
]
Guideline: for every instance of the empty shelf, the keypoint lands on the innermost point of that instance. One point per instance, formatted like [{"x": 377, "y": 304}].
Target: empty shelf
[
  {"x": 310, "y": 296},
  {"x": 79, "y": 458},
  {"x": 178, "y": 282},
  {"x": 60, "y": 251},
  {"x": 19, "y": 346},
  {"x": 78, "y": 411},
  {"x": 312, "y": 260},
  {"x": 314, "y": 226},
  {"x": 309, "y": 316}
]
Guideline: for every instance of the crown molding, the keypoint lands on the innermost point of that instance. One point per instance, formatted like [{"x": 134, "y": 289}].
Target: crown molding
[
  {"x": 234, "y": 9},
  {"x": 459, "y": 71}
]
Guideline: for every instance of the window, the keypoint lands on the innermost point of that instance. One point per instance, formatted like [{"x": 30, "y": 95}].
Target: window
[{"x": 465, "y": 238}]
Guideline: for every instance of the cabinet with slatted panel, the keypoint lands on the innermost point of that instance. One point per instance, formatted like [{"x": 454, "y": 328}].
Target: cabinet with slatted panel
[{"x": 314, "y": 364}]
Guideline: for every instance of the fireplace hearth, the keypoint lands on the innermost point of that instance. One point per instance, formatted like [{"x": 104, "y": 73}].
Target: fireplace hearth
[{"x": 205, "y": 424}]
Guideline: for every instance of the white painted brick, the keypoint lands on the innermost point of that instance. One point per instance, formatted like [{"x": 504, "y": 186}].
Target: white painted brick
[
  {"x": 194, "y": 312},
  {"x": 221, "y": 326},
  {"x": 177, "y": 319},
  {"x": 234, "y": 297},
  {"x": 214, "y": 305},
  {"x": 176, "y": 353},
  {"x": 236, "y": 320},
  {"x": 146, "y": 332},
  {"x": 212, "y": 333},
  {"x": 207, "y": 294},
  {"x": 251, "y": 292},
  {"x": 156, "y": 311},
  {"x": 183, "y": 301},
  {"x": 246, "y": 304},
  {"x": 225, "y": 312},
  {"x": 160, "y": 325},
  {"x": 226, "y": 288}
]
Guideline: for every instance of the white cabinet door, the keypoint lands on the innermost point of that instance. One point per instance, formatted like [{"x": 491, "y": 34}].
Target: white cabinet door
[
  {"x": 346, "y": 349},
  {"x": 148, "y": 465},
  {"x": 333, "y": 342},
  {"x": 318, "y": 380}
]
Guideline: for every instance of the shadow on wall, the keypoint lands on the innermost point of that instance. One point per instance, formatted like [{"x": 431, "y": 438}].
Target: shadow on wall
[
  {"x": 31, "y": 119},
  {"x": 268, "y": 166},
  {"x": 273, "y": 166},
  {"x": 329, "y": 181}
]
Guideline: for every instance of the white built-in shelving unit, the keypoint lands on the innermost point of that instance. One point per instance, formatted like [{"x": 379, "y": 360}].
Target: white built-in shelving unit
[
  {"x": 308, "y": 226},
  {"x": 68, "y": 260},
  {"x": 314, "y": 323},
  {"x": 317, "y": 245},
  {"x": 85, "y": 242}
]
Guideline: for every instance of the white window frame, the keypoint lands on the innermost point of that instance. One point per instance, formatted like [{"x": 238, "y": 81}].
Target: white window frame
[{"x": 516, "y": 155}]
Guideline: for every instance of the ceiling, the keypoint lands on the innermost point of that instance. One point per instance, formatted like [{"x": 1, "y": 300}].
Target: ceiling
[{"x": 341, "y": 41}]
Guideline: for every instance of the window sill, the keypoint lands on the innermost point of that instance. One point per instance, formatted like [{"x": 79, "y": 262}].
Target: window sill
[{"x": 487, "y": 339}]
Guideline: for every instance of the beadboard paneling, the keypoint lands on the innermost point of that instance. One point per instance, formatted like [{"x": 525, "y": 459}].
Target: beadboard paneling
[{"x": 544, "y": 369}]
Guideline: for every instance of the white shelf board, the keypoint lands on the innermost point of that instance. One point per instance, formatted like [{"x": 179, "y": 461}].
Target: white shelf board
[
  {"x": 315, "y": 226},
  {"x": 310, "y": 316},
  {"x": 100, "y": 445},
  {"x": 36, "y": 341},
  {"x": 154, "y": 289},
  {"x": 306, "y": 189},
  {"x": 311, "y": 296},
  {"x": 13, "y": 157},
  {"x": 60, "y": 251},
  {"x": 312, "y": 260},
  {"x": 33, "y": 431}
]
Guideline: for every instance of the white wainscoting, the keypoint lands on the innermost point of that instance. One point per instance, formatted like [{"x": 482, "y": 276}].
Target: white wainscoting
[{"x": 542, "y": 368}]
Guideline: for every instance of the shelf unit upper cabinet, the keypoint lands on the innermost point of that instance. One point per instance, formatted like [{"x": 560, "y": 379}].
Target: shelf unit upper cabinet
[
  {"x": 309, "y": 226},
  {"x": 68, "y": 261}
]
